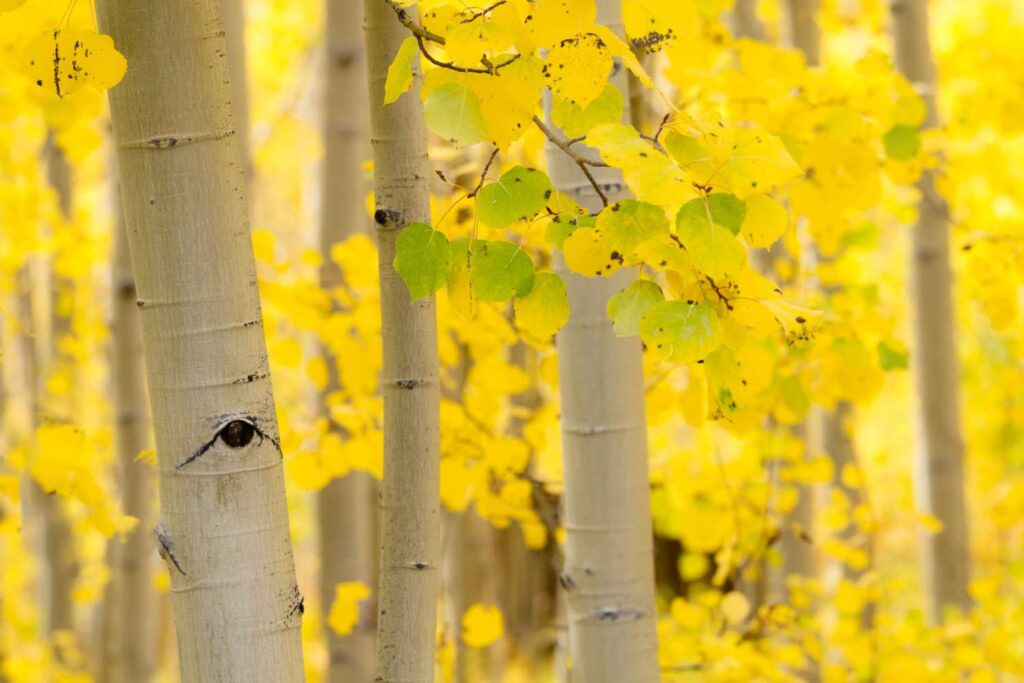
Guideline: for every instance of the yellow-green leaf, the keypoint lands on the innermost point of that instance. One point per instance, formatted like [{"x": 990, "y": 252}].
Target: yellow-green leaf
[
  {"x": 628, "y": 307},
  {"x": 453, "y": 112},
  {"x": 765, "y": 221},
  {"x": 543, "y": 311},
  {"x": 713, "y": 248},
  {"x": 400, "y": 72},
  {"x": 682, "y": 331},
  {"x": 576, "y": 121}
]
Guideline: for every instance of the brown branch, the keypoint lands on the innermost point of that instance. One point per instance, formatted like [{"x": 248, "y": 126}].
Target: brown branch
[
  {"x": 483, "y": 174},
  {"x": 580, "y": 161},
  {"x": 416, "y": 29},
  {"x": 476, "y": 14},
  {"x": 490, "y": 69}
]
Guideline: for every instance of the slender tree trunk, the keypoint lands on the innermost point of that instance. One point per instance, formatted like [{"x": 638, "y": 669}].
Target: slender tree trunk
[
  {"x": 745, "y": 21},
  {"x": 224, "y": 532},
  {"x": 609, "y": 568},
  {"x": 130, "y": 631},
  {"x": 59, "y": 547},
  {"x": 409, "y": 384},
  {"x": 804, "y": 30},
  {"x": 939, "y": 467},
  {"x": 346, "y": 507}
]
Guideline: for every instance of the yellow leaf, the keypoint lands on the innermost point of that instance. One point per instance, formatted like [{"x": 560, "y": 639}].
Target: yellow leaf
[
  {"x": 400, "y": 72},
  {"x": 765, "y": 221},
  {"x": 735, "y": 607},
  {"x": 317, "y": 371},
  {"x": 543, "y": 311},
  {"x": 344, "y": 614},
  {"x": 63, "y": 60},
  {"x": 147, "y": 456},
  {"x": 482, "y": 625},
  {"x": 586, "y": 253},
  {"x": 577, "y": 70}
]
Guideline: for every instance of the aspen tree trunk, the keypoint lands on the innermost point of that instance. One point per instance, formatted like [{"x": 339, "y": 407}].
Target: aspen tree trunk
[
  {"x": 939, "y": 467},
  {"x": 745, "y": 21},
  {"x": 224, "y": 532},
  {"x": 59, "y": 547},
  {"x": 130, "y": 632},
  {"x": 407, "y": 613},
  {"x": 346, "y": 506},
  {"x": 609, "y": 569},
  {"x": 234, "y": 35},
  {"x": 803, "y": 29}
]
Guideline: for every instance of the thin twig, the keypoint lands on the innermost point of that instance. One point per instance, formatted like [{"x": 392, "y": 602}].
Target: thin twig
[
  {"x": 483, "y": 174},
  {"x": 654, "y": 138},
  {"x": 581, "y": 162},
  {"x": 490, "y": 69},
  {"x": 476, "y": 14}
]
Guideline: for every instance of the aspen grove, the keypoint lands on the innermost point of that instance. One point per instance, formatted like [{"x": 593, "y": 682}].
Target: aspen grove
[{"x": 511, "y": 341}]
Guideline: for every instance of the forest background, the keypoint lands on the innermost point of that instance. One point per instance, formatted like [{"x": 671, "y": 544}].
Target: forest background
[{"x": 818, "y": 418}]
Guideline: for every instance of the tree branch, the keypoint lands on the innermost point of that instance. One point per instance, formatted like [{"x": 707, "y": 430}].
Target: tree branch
[{"x": 580, "y": 161}]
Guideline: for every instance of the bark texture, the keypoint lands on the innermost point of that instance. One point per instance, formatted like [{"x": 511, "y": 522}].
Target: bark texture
[
  {"x": 407, "y": 613},
  {"x": 609, "y": 566},
  {"x": 224, "y": 531},
  {"x": 940, "y": 453},
  {"x": 346, "y": 507}
]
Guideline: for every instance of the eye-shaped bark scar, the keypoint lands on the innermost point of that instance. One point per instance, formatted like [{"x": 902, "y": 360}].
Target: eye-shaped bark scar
[{"x": 236, "y": 431}]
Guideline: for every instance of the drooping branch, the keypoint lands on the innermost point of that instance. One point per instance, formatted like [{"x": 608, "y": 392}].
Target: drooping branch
[{"x": 577, "y": 159}]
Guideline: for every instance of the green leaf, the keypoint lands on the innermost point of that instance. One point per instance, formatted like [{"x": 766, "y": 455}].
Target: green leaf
[
  {"x": 627, "y": 224},
  {"x": 724, "y": 210},
  {"x": 892, "y": 358},
  {"x": 518, "y": 195},
  {"x": 682, "y": 331},
  {"x": 400, "y": 72},
  {"x": 459, "y": 289},
  {"x": 713, "y": 248},
  {"x": 576, "y": 121},
  {"x": 543, "y": 311},
  {"x": 453, "y": 112},
  {"x": 628, "y": 307},
  {"x": 422, "y": 257},
  {"x": 498, "y": 270},
  {"x": 902, "y": 143},
  {"x": 561, "y": 227}
]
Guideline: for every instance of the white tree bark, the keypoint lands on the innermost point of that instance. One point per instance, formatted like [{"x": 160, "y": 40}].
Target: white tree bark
[
  {"x": 410, "y": 515},
  {"x": 224, "y": 531},
  {"x": 939, "y": 469},
  {"x": 609, "y": 569}
]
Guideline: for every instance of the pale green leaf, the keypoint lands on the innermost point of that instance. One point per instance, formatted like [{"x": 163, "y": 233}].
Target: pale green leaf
[
  {"x": 628, "y": 307},
  {"x": 682, "y": 331},
  {"x": 453, "y": 112},
  {"x": 422, "y": 258},
  {"x": 499, "y": 269},
  {"x": 518, "y": 195}
]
